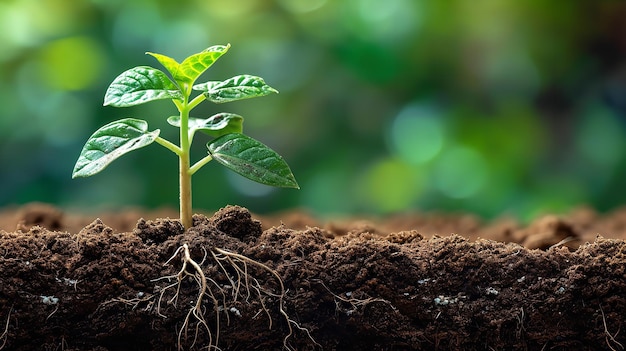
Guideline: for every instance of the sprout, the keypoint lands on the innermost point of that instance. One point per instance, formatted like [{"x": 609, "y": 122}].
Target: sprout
[{"x": 229, "y": 146}]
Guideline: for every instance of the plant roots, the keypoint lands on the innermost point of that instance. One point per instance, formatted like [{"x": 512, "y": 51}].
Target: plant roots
[
  {"x": 241, "y": 287},
  {"x": 5, "y": 334},
  {"x": 613, "y": 344},
  {"x": 354, "y": 303}
]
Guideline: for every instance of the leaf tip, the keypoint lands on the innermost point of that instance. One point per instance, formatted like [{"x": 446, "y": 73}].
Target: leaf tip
[
  {"x": 110, "y": 102},
  {"x": 293, "y": 183},
  {"x": 77, "y": 174}
]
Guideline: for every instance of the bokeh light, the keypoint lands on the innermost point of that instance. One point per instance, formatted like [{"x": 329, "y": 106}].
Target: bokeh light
[
  {"x": 461, "y": 172},
  {"x": 391, "y": 185},
  {"x": 489, "y": 107},
  {"x": 417, "y": 133},
  {"x": 73, "y": 63}
]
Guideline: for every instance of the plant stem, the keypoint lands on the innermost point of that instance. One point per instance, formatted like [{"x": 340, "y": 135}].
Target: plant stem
[
  {"x": 168, "y": 145},
  {"x": 184, "y": 174},
  {"x": 199, "y": 164},
  {"x": 198, "y": 99}
]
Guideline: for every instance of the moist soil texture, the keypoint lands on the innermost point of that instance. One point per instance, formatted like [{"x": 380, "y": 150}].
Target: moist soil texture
[{"x": 238, "y": 281}]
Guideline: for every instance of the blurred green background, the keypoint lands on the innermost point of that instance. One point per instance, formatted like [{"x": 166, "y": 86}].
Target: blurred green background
[{"x": 490, "y": 107}]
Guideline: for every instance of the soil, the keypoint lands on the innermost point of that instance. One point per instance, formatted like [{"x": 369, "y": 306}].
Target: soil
[{"x": 408, "y": 282}]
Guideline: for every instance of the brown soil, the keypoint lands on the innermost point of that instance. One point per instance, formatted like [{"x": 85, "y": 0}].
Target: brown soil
[{"x": 405, "y": 283}]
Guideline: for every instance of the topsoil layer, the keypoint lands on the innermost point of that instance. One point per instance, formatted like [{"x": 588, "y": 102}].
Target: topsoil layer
[{"x": 411, "y": 282}]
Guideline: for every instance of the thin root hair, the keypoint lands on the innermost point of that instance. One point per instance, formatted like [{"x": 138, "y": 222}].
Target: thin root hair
[
  {"x": 244, "y": 287},
  {"x": 613, "y": 344},
  {"x": 5, "y": 334}
]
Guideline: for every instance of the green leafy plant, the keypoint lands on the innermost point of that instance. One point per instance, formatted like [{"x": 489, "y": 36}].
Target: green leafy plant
[{"x": 229, "y": 145}]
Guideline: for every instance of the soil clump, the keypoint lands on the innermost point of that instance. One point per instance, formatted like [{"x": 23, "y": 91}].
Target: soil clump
[{"x": 408, "y": 282}]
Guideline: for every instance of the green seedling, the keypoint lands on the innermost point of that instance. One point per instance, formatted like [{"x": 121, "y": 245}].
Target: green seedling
[{"x": 229, "y": 145}]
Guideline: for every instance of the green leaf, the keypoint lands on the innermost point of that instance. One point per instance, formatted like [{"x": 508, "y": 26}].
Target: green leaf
[
  {"x": 193, "y": 66},
  {"x": 139, "y": 85},
  {"x": 169, "y": 63},
  {"x": 110, "y": 142},
  {"x": 215, "y": 126},
  {"x": 252, "y": 159},
  {"x": 235, "y": 88}
]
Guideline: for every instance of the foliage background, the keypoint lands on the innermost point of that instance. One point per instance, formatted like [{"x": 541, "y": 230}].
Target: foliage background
[{"x": 486, "y": 106}]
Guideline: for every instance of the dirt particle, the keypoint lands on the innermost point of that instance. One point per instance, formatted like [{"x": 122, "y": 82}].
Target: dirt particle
[
  {"x": 403, "y": 237},
  {"x": 237, "y": 222},
  {"x": 157, "y": 231},
  {"x": 38, "y": 214},
  {"x": 93, "y": 239},
  {"x": 96, "y": 227},
  {"x": 545, "y": 232}
]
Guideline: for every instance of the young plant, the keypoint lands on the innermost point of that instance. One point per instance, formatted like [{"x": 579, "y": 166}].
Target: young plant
[{"x": 230, "y": 146}]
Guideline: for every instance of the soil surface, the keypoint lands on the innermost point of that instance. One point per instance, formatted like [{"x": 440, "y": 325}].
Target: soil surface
[{"x": 237, "y": 281}]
